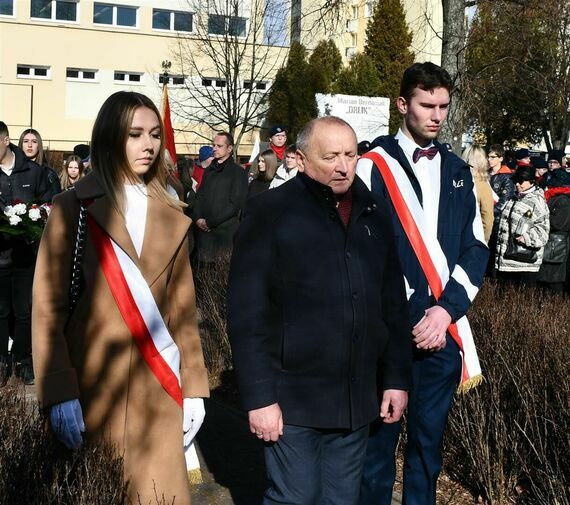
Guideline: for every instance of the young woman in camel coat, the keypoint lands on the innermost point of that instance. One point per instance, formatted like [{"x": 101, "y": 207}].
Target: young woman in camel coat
[{"x": 92, "y": 357}]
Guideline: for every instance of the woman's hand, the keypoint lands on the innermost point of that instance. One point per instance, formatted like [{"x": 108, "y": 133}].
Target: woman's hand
[
  {"x": 194, "y": 414},
  {"x": 67, "y": 423}
]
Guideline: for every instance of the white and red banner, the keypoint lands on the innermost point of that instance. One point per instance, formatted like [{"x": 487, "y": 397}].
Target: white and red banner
[
  {"x": 143, "y": 319},
  {"x": 429, "y": 253}
]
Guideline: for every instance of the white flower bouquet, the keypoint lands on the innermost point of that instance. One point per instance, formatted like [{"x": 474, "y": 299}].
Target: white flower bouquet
[{"x": 26, "y": 220}]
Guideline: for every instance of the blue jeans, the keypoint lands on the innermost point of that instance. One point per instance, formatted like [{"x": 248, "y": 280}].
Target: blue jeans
[
  {"x": 435, "y": 379},
  {"x": 309, "y": 466}
]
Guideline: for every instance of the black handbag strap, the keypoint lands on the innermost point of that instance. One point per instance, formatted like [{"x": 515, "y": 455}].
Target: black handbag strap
[{"x": 75, "y": 284}]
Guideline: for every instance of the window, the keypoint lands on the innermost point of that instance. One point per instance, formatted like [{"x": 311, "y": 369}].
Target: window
[
  {"x": 54, "y": 10},
  {"x": 81, "y": 74},
  {"x": 230, "y": 25},
  {"x": 121, "y": 77},
  {"x": 171, "y": 20},
  {"x": 6, "y": 7},
  {"x": 218, "y": 83},
  {"x": 275, "y": 23},
  {"x": 350, "y": 52},
  {"x": 369, "y": 9},
  {"x": 114, "y": 15},
  {"x": 259, "y": 85},
  {"x": 174, "y": 80},
  {"x": 33, "y": 72},
  {"x": 354, "y": 12},
  {"x": 354, "y": 39}
]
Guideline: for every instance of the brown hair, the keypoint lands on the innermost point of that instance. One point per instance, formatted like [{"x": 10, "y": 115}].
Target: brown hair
[
  {"x": 271, "y": 164},
  {"x": 40, "y": 156},
  {"x": 66, "y": 182},
  {"x": 108, "y": 154},
  {"x": 426, "y": 76}
]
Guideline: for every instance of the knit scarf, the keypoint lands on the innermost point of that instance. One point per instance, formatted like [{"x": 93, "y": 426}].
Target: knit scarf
[{"x": 279, "y": 151}]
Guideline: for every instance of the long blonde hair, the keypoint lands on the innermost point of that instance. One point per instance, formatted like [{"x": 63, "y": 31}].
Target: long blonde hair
[
  {"x": 108, "y": 152},
  {"x": 476, "y": 158},
  {"x": 66, "y": 182}
]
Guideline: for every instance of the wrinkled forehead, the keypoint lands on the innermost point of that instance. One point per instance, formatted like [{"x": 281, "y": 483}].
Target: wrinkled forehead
[{"x": 333, "y": 138}]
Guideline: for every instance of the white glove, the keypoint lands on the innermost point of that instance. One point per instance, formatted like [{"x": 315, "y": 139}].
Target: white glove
[
  {"x": 194, "y": 414},
  {"x": 67, "y": 423}
]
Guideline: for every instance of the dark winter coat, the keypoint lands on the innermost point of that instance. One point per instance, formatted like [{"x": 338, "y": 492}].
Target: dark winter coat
[
  {"x": 504, "y": 187},
  {"x": 220, "y": 199},
  {"x": 27, "y": 182},
  {"x": 257, "y": 186},
  {"x": 555, "y": 260},
  {"x": 54, "y": 184},
  {"x": 315, "y": 309}
]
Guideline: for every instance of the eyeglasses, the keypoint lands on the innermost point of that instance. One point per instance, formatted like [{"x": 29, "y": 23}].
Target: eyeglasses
[{"x": 493, "y": 156}]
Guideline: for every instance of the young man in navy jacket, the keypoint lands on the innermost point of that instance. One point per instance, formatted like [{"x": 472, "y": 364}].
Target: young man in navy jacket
[{"x": 443, "y": 185}]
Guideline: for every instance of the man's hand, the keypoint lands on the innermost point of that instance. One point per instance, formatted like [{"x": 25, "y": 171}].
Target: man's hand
[
  {"x": 394, "y": 402},
  {"x": 267, "y": 422},
  {"x": 430, "y": 331},
  {"x": 201, "y": 223},
  {"x": 520, "y": 239}
]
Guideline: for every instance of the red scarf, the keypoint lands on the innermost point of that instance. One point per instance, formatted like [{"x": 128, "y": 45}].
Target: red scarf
[{"x": 279, "y": 151}]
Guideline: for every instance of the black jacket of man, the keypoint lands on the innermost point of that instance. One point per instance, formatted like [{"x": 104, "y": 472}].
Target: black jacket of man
[
  {"x": 219, "y": 200},
  {"x": 316, "y": 310}
]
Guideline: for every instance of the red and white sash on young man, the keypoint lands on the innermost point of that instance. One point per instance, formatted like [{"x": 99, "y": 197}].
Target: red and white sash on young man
[
  {"x": 430, "y": 255},
  {"x": 143, "y": 319}
]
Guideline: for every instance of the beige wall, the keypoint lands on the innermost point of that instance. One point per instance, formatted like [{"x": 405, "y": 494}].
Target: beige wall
[
  {"x": 424, "y": 18},
  {"x": 64, "y": 111}
]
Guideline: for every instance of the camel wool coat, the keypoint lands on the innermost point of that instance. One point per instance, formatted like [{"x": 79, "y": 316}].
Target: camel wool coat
[{"x": 94, "y": 357}]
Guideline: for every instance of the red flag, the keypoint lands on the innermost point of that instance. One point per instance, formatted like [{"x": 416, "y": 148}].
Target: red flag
[{"x": 168, "y": 131}]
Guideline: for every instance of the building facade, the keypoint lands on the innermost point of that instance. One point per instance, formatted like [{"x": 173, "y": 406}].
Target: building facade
[{"x": 60, "y": 59}]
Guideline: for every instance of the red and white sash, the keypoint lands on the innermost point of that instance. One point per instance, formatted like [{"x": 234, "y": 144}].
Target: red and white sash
[
  {"x": 430, "y": 255},
  {"x": 143, "y": 319}
]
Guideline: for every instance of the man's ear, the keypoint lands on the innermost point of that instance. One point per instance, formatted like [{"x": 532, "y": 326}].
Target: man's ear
[
  {"x": 300, "y": 160},
  {"x": 402, "y": 105}
]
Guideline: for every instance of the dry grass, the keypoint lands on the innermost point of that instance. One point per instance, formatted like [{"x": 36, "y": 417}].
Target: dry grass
[
  {"x": 509, "y": 439},
  {"x": 211, "y": 288},
  {"x": 36, "y": 470}
]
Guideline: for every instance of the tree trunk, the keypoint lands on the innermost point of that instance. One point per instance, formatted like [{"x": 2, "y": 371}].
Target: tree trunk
[{"x": 453, "y": 60}]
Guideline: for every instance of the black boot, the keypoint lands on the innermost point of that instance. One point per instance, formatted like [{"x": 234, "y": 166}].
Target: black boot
[
  {"x": 26, "y": 371},
  {"x": 5, "y": 369}
]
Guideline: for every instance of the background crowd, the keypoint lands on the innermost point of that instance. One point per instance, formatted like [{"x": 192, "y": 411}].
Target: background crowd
[{"x": 523, "y": 197}]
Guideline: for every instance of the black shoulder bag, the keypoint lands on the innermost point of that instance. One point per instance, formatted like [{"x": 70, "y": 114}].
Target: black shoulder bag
[{"x": 515, "y": 251}]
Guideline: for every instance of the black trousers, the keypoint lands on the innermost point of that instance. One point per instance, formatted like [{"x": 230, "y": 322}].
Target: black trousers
[{"x": 16, "y": 301}]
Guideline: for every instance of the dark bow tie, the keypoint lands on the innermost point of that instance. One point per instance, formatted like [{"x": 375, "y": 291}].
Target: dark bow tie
[{"x": 428, "y": 153}]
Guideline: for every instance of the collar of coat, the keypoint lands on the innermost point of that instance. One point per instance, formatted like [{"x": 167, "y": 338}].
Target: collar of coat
[
  {"x": 165, "y": 229},
  {"x": 362, "y": 198},
  {"x": 453, "y": 168}
]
